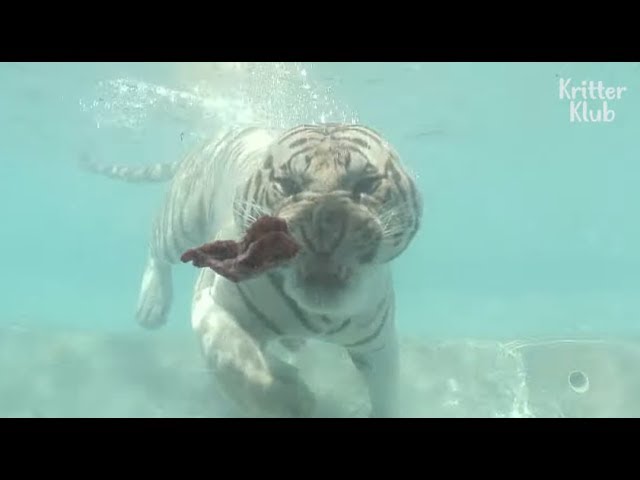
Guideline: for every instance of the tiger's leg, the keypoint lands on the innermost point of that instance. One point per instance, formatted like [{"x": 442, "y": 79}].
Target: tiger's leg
[
  {"x": 156, "y": 289},
  {"x": 380, "y": 369},
  {"x": 259, "y": 383},
  {"x": 156, "y": 294},
  {"x": 178, "y": 226}
]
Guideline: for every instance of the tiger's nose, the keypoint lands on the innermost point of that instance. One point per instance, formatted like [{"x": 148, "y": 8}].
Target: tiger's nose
[
  {"x": 329, "y": 227},
  {"x": 330, "y": 212},
  {"x": 330, "y": 220}
]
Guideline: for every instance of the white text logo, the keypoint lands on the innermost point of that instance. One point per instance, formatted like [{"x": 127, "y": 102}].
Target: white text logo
[{"x": 590, "y": 102}]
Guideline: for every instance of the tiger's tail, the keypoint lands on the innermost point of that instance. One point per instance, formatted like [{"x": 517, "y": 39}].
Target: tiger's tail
[{"x": 161, "y": 172}]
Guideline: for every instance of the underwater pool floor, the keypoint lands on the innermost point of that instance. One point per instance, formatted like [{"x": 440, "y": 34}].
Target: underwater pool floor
[{"x": 158, "y": 374}]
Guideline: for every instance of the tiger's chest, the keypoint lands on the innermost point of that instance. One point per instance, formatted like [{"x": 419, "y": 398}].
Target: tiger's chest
[{"x": 261, "y": 307}]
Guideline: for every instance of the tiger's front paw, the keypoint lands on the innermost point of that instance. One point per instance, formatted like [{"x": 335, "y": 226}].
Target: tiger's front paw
[
  {"x": 288, "y": 396},
  {"x": 298, "y": 401}
]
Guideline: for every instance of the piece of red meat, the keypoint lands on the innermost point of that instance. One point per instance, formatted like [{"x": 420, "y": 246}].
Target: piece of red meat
[{"x": 266, "y": 245}]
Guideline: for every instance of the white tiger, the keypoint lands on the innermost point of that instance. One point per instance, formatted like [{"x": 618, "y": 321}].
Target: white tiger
[{"x": 352, "y": 207}]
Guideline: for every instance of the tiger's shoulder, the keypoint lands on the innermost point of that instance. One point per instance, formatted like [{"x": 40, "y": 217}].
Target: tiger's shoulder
[{"x": 227, "y": 149}]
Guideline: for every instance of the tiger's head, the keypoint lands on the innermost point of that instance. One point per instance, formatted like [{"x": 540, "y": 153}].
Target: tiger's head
[{"x": 348, "y": 202}]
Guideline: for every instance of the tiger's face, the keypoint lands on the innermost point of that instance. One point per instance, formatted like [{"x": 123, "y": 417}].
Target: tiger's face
[{"x": 348, "y": 203}]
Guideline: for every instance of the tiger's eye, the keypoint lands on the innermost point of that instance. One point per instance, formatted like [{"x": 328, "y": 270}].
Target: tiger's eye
[
  {"x": 367, "y": 186},
  {"x": 288, "y": 186}
]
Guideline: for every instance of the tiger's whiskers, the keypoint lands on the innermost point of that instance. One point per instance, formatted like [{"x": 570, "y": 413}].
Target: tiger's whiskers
[{"x": 249, "y": 211}]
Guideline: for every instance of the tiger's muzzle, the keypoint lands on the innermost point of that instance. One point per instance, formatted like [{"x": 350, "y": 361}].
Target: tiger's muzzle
[
  {"x": 336, "y": 236},
  {"x": 321, "y": 270},
  {"x": 339, "y": 241}
]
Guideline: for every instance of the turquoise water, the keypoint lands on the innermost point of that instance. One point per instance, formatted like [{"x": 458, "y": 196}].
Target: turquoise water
[{"x": 531, "y": 224}]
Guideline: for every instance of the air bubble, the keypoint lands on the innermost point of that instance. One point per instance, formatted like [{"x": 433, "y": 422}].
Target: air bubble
[{"x": 578, "y": 381}]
